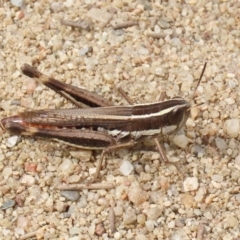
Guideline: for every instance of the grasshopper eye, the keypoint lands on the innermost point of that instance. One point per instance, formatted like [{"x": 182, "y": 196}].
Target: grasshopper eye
[{"x": 176, "y": 116}]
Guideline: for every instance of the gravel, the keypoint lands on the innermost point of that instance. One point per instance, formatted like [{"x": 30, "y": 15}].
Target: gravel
[{"x": 149, "y": 48}]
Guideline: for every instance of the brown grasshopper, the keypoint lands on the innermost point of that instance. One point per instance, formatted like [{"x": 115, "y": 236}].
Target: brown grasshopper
[{"x": 103, "y": 126}]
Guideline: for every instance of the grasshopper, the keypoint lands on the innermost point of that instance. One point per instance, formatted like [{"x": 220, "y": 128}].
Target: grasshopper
[{"x": 102, "y": 126}]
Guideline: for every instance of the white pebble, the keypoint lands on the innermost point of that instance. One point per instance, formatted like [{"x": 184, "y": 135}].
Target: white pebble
[
  {"x": 208, "y": 215},
  {"x": 150, "y": 225},
  {"x": 232, "y": 127},
  {"x": 190, "y": 184},
  {"x": 100, "y": 15},
  {"x": 231, "y": 75},
  {"x": 7, "y": 172},
  {"x": 69, "y": 3},
  {"x": 230, "y": 222},
  {"x": 230, "y": 101},
  {"x": 221, "y": 144},
  {"x": 66, "y": 166},
  {"x": 141, "y": 237},
  {"x": 143, "y": 51},
  {"x": 154, "y": 213},
  {"x": 198, "y": 212},
  {"x": 56, "y": 7},
  {"x": 175, "y": 42},
  {"x": 217, "y": 178},
  {"x": 83, "y": 155},
  {"x": 181, "y": 141},
  {"x": 126, "y": 168},
  {"x": 171, "y": 224},
  {"x": 167, "y": 203},
  {"x": 130, "y": 217},
  {"x": 12, "y": 141},
  {"x": 137, "y": 195},
  {"x": 117, "y": 235},
  {"x": 216, "y": 185},
  {"x": 17, "y": 3},
  {"x": 27, "y": 180},
  {"x": 118, "y": 210}
]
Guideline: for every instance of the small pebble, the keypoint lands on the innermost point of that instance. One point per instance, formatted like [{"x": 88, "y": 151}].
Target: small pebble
[
  {"x": 188, "y": 201},
  {"x": 12, "y": 141},
  {"x": 70, "y": 195},
  {"x": 141, "y": 237},
  {"x": 141, "y": 219},
  {"x": 22, "y": 222},
  {"x": 27, "y": 180},
  {"x": 17, "y": 3},
  {"x": 74, "y": 178},
  {"x": 229, "y": 101},
  {"x": 198, "y": 212},
  {"x": 150, "y": 224},
  {"x": 230, "y": 222},
  {"x": 118, "y": 210},
  {"x": 100, "y": 230},
  {"x": 190, "y": 184},
  {"x": 216, "y": 185},
  {"x": 171, "y": 224},
  {"x": 75, "y": 230},
  {"x": 154, "y": 213},
  {"x": 7, "y": 172},
  {"x": 220, "y": 143},
  {"x": 20, "y": 200},
  {"x": 61, "y": 206},
  {"x": 181, "y": 141},
  {"x": 8, "y": 204},
  {"x": 200, "y": 194},
  {"x": 103, "y": 202},
  {"x": 56, "y": 7},
  {"x": 232, "y": 127},
  {"x": 84, "y": 50},
  {"x": 98, "y": 14},
  {"x": 117, "y": 235},
  {"x": 175, "y": 42},
  {"x": 238, "y": 197},
  {"x": 208, "y": 215},
  {"x": 136, "y": 195},
  {"x": 82, "y": 203},
  {"x": 129, "y": 217},
  {"x": 69, "y": 3},
  {"x": 126, "y": 168},
  {"x": 217, "y": 178},
  {"x": 66, "y": 167}
]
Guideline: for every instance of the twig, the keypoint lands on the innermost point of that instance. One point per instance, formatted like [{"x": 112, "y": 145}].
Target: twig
[
  {"x": 125, "y": 96},
  {"x": 156, "y": 35},
  {"x": 78, "y": 24},
  {"x": 84, "y": 186},
  {"x": 111, "y": 217},
  {"x": 124, "y": 25},
  {"x": 28, "y": 235},
  {"x": 201, "y": 232}
]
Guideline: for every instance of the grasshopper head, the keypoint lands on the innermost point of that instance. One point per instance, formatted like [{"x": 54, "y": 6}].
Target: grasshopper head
[{"x": 179, "y": 114}]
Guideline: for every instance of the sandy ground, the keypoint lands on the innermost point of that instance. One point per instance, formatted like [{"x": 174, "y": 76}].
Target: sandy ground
[{"x": 147, "y": 48}]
